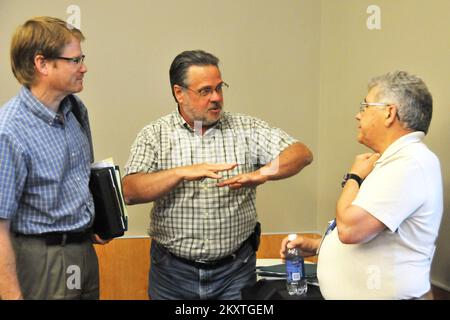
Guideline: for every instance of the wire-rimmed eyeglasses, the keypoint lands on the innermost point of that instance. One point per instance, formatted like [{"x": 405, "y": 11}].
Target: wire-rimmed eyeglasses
[
  {"x": 208, "y": 91},
  {"x": 363, "y": 105}
]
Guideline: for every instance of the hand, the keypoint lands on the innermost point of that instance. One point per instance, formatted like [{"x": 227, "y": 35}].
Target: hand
[
  {"x": 251, "y": 179},
  {"x": 307, "y": 246},
  {"x": 204, "y": 170},
  {"x": 364, "y": 163},
  {"x": 97, "y": 240},
  {"x": 12, "y": 296}
]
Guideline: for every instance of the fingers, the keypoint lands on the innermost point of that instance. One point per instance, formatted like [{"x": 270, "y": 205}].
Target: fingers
[
  {"x": 204, "y": 170},
  {"x": 364, "y": 164},
  {"x": 212, "y": 169},
  {"x": 236, "y": 186},
  {"x": 374, "y": 157},
  {"x": 212, "y": 175},
  {"x": 239, "y": 179},
  {"x": 242, "y": 180},
  {"x": 283, "y": 247},
  {"x": 286, "y": 244},
  {"x": 96, "y": 239},
  {"x": 364, "y": 156},
  {"x": 221, "y": 167},
  {"x": 369, "y": 155},
  {"x": 294, "y": 243}
]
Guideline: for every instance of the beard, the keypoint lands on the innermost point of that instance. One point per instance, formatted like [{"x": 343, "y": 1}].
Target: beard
[{"x": 205, "y": 117}]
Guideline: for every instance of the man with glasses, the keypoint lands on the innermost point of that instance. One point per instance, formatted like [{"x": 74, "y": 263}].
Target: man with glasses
[
  {"x": 390, "y": 208},
  {"x": 201, "y": 166},
  {"x": 46, "y": 208}
]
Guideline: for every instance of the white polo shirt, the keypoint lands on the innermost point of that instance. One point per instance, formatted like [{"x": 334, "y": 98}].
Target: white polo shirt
[{"x": 403, "y": 191}]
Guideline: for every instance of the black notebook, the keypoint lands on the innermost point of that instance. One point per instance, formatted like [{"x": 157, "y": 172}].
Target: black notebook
[{"x": 110, "y": 219}]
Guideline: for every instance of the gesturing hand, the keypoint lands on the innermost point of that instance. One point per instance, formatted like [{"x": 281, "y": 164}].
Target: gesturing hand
[
  {"x": 204, "y": 170},
  {"x": 251, "y": 179}
]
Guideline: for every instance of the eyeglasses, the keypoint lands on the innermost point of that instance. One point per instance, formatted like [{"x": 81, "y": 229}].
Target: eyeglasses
[
  {"x": 208, "y": 91},
  {"x": 76, "y": 60},
  {"x": 363, "y": 105}
]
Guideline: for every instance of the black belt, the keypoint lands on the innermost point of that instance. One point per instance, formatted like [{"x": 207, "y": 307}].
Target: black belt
[
  {"x": 211, "y": 264},
  {"x": 60, "y": 238}
]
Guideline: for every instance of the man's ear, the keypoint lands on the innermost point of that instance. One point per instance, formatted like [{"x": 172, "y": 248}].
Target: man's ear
[
  {"x": 178, "y": 92},
  {"x": 391, "y": 115},
  {"x": 41, "y": 64}
]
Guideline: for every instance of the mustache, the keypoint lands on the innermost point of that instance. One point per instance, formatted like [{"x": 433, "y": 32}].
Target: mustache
[{"x": 215, "y": 105}]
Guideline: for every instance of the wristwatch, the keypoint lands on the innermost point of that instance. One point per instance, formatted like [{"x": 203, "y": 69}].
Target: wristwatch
[{"x": 352, "y": 176}]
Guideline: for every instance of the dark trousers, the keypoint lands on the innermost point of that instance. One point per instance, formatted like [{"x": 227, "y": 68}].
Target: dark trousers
[
  {"x": 68, "y": 271},
  {"x": 172, "y": 278}
]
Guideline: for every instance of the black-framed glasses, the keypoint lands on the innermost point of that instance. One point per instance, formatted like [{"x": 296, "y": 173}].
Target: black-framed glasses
[
  {"x": 77, "y": 60},
  {"x": 208, "y": 91},
  {"x": 363, "y": 105}
]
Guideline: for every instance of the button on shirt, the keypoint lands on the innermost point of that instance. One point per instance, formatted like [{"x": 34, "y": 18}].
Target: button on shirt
[
  {"x": 198, "y": 220},
  {"x": 44, "y": 167}
]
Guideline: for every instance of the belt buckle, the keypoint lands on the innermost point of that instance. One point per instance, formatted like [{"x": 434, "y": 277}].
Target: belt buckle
[
  {"x": 216, "y": 262},
  {"x": 204, "y": 262}
]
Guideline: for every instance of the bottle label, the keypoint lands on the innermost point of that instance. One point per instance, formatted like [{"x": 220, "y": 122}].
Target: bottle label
[{"x": 294, "y": 270}]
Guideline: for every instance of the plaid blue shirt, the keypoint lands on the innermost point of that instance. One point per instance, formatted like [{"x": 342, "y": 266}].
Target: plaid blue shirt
[{"x": 44, "y": 166}]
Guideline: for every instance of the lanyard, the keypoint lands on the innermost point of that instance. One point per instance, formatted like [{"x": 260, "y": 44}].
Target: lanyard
[{"x": 331, "y": 226}]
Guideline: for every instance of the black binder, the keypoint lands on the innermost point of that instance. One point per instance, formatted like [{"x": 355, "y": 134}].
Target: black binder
[{"x": 110, "y": 220}]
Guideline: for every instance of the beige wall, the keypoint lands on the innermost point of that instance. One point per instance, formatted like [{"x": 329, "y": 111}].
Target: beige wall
[{"x": 300, "y": 65}]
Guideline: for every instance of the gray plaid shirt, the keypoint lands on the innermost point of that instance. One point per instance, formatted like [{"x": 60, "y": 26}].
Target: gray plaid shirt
[{"x": 197, "y": 220}]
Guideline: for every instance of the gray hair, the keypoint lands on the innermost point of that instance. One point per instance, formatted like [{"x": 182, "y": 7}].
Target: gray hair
[
  {"x": 410, "y": 94},
  {"x": 182, "y": 62}
]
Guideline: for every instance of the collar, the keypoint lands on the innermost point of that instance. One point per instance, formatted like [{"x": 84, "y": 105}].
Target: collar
[
  {"x": 179, "y": 120},
  {"x": 40, "y": 110},
  {"x": 400, "y": 143}
]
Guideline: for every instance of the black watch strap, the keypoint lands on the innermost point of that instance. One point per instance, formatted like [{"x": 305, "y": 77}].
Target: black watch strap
[{"x": 352, "y": 176}]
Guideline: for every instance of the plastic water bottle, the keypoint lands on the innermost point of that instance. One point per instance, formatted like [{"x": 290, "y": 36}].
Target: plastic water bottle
[{"x": 295, "y": 270}]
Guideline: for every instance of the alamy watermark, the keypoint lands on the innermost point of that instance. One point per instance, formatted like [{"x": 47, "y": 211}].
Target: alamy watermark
[
  {"x": 374, "y": 20},
  {"x": 74, "y": 279},
  {"x": 373, "y": 277},
  {"x": 75, "y": 16}
]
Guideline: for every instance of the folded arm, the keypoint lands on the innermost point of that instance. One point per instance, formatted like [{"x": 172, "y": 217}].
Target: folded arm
[{"x": 354, "y": 224}]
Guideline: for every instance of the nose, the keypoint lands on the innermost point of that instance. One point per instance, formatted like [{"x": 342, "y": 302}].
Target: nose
[
  {"x": 216, "y": 96},
  {"x": 83, "y": 67}
]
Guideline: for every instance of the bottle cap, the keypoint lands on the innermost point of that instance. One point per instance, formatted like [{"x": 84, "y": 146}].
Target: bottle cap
[{"x": 292, "y": 237}]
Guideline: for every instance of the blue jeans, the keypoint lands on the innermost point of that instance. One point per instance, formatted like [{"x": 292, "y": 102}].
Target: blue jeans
[{"x": 173, "y": 279}]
